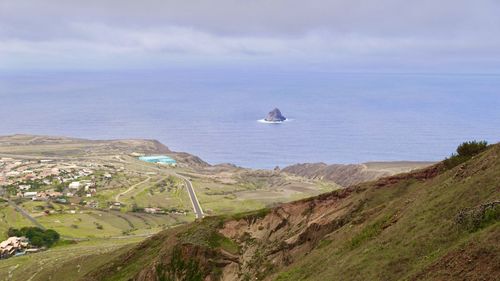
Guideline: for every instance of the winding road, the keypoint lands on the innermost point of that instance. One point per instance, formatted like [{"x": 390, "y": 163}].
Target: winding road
[{"x": 192, "y": 195}]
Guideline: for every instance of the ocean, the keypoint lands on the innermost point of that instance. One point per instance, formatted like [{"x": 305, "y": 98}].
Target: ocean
[{"x": 334, "y": 117}]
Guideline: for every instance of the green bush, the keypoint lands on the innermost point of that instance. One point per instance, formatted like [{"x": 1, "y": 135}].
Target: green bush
[
  {"x": 37, "y": 236},
  {"x": 465, "y": 151}
]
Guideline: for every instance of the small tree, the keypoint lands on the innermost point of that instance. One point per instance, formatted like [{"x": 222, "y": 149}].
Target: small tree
[
  {"x": 37, "y": 236},
  {"x": 465, "y": 151},
  {"x": 471, "y": 148}
]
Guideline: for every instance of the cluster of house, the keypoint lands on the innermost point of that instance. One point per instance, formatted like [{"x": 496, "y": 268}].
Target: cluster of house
[
  {"x": 89, "y": 188},
  {"x": 14, "y": 171},
  {"x": 14, "y": 246},
  {"x": 23, "y": 174},
  {"x": 42, "y": 195}
]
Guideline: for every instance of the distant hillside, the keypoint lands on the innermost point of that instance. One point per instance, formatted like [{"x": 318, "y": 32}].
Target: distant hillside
[
  {"x": 50, "y": 146},
  {"x": 430, "y": 224},
  {"x": 347, "y": 175}
]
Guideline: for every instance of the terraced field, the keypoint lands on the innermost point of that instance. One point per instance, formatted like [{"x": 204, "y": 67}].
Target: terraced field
[{"x": 247, "y": 191}]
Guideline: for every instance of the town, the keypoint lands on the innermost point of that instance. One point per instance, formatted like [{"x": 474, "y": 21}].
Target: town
[{"x": 56, "y": 180}]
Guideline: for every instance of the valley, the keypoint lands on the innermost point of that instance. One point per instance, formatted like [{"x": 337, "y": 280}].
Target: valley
[
  {"x": 121, "y": 218},
  {"x": 99, "y": 195}
]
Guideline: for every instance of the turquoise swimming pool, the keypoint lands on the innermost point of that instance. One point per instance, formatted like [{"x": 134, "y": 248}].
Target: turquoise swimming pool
[{"x": 162, "y": 159}]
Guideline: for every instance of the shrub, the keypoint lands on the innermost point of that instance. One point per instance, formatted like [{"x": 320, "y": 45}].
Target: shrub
[
  {"x": 471, "y": 148},
  {"x": 465, "y": 151},
  {"x": 480, "y": 217}
]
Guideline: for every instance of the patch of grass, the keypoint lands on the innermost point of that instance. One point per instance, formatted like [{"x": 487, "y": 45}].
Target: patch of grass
[
  {"x": 179, "y": 269},
  {"x": 9, "y": 217},
  {"x": 297, "y": 273},
  {"x": 64, "y": 243},
  {"x": 368, "y": 232},
  {"x": 206, "y": 234},
  {"x": 228, "y": 245},
  {"x": 252, "y": 215},
  {"x": 323, "y": 243}
]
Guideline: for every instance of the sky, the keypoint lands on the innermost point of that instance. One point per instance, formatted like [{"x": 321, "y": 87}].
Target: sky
[{"x": 424, "y": 35}]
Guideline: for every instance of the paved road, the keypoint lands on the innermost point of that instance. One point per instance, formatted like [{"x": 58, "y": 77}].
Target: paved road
[
  {"x": 26, "y": 214},
  {"x": 192, "y": 195}
]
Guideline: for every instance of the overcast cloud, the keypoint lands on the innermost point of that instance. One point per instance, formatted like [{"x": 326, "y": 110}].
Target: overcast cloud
[{"x": 126, "y": 33}]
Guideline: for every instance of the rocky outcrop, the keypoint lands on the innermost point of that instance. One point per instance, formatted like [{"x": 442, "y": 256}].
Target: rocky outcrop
[{"x": 275, "y": 116}]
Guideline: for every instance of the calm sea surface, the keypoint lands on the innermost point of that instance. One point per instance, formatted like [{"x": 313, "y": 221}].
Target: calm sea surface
[{"x": 336, "y": 118}]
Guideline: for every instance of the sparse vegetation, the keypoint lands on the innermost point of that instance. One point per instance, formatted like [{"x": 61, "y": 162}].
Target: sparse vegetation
[
  {"x": 252, "y": 215},
  {"x": 479, "y": 217},
  {"x": 206, "y": 234},
  {"x": 368, "y": 232},
  {"x": 179, "y": 269}
]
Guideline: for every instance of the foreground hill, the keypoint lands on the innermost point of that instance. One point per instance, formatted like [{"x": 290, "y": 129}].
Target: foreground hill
[{"x": 432, "y": 224}]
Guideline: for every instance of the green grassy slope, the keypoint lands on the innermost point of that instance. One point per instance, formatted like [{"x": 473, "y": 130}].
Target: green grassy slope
[
  {"x": 432, "y": 224},
  {"x": 64, "y": 262},
  {"x": 406, "y": 230},
  {"x": 9, "y": 217}
]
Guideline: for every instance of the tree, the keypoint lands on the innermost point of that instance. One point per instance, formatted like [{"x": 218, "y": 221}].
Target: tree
[
  {"x": 471, "y": 148},
  {"x": 37, "y": 236},
  {"x": 465, "y": 151}
]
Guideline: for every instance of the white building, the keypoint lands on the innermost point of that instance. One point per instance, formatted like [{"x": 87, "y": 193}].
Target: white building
[
  {"x": 12, "y": 245},
  {"x": 30, "y": 194},
  {"x": 24, "y": 186},
  {"x": 74, "y": 185}
]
